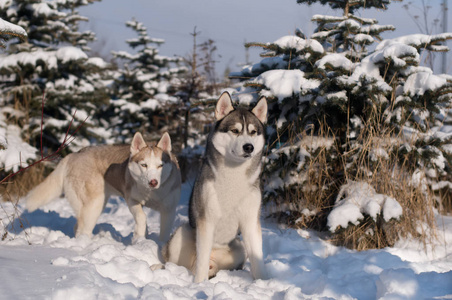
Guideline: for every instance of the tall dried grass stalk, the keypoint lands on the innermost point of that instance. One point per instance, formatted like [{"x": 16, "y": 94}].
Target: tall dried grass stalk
[
  {"x": 386, "y": 173},
  {"x": 14, "y": 189}
]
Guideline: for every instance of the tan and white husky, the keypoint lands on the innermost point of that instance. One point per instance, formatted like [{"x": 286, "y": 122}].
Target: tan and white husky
[{"x": 142, "y": 174}]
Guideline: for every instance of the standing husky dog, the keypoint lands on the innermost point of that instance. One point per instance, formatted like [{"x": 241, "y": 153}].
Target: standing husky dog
[
  {"x": 226, "y": 197},
  {"x": 142, "y": 174}
]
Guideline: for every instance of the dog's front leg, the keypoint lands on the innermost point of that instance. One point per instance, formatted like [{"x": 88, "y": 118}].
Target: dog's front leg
[
  {"x": 252, "y": 238},
  {"x": 168, "y": 214},
  {"x": 140, "y": 219},
  {"x": 167, "y": 217},
  {"x": 204, "y": 242},
  {"x": 250, "y": 227}
]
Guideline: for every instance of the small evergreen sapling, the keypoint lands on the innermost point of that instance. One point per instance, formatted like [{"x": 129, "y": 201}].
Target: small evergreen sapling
[{"x": 143, "y": 90}]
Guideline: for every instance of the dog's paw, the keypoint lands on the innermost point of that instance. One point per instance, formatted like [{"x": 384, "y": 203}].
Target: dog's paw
[
  {"x": 157, "y": 267},
  {"x": 199, "y": 279},
  {"x": 213, "y": 269},
  {"x": 137, "y": 239}
]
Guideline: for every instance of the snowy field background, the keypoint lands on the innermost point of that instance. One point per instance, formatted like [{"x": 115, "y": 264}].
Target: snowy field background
[{"x": 44, "y": 261}]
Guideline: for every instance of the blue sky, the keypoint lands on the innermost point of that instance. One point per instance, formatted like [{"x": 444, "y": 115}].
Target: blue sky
[{"x": 229, "y": 23}]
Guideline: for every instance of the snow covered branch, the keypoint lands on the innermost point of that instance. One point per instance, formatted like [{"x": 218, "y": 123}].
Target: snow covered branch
[{"x": 8, "y": 29}]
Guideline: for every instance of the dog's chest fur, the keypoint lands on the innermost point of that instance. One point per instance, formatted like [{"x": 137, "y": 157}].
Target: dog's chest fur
[
  {"x": 150, "y": 198},
  {"x": 233, "y": 184},
  {"x": 229, "y": 196}
]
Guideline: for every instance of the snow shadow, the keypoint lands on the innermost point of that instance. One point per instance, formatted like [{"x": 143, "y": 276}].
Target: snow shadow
[
  {"x": 39, "y": 218},
  {"x": 116, "y": 235},
  {"x": 52, "y": 220}
]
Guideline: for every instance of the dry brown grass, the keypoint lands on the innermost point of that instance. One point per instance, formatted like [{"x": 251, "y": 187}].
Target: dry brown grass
[
  {"x": 387, "y": 174},
  {"x": 18, "y": 186},
  {"x": 11, "y": 191},
  {"x": 318, "y": 191}
]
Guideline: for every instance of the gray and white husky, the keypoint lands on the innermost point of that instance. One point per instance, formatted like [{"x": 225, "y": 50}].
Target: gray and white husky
[
  {"x": 226, "y": 197},
  {"x": 142, "y": 174}
]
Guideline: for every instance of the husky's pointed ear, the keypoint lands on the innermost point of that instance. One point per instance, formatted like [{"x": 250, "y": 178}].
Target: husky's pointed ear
[
  {"x": 165, "y": 142},
  {"x": 260, "y": 110},
  {"x": 224, "y": 106},
  {"x": 138, "y": 143}
]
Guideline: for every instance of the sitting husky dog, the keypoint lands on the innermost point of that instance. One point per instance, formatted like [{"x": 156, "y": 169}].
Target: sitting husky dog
[
  {"x": 142, "y": 174},
  {"x": 226, "y": 197}
]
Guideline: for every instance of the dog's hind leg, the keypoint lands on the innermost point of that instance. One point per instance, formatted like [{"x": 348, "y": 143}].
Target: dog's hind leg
[
  {"x": 92, "y": 199},
  {"x": 90, "y": 213},
  {"x": 181, "y": 248},
  {"x": 71, "y": 192},
  {"x": 231, "y": 257},
  {"x": 75, "y": 193}
]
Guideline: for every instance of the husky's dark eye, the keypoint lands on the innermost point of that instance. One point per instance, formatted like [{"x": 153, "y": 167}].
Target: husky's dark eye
[
  {"x": 160, "y": 166},
  {"x": 235, "y": 131},
  {"x": 144, "y": 165},
  {"x": 253, "y": 132}
]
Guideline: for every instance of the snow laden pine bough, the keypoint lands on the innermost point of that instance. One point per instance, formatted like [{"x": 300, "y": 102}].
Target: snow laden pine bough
[{"x": 358, "y": 198}]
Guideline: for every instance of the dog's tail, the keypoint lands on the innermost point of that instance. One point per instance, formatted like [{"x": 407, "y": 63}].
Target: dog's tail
[{"x": 49, "y": 189}]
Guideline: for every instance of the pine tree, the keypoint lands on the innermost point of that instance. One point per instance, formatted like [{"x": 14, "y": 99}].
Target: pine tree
[
  {"x": 10, "y": 140},
  {"x": 52, "y": 63},
  {"x": 144, "y": 89},
  {"x": 339, "y": 109}
]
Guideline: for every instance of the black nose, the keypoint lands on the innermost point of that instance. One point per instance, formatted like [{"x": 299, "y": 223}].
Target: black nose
[{"x": 248, "y": 148}]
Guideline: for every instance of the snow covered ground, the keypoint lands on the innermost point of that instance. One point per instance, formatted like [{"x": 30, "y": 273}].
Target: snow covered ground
[{"x": 45, "y": 261}]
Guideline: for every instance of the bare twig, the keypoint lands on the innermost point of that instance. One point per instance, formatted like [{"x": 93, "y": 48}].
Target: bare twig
[{"x": 68, "y": 138}]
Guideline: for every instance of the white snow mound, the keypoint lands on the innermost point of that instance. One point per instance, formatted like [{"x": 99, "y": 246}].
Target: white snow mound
[{"x": 358, "y": 198}]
